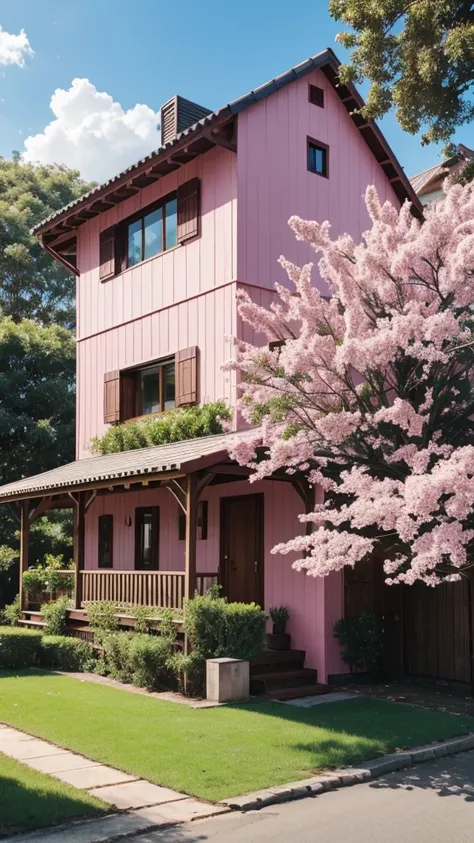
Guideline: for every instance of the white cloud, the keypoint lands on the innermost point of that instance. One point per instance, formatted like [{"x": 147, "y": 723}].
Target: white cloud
[
  {"x": 92, "y": 133},
  {"x": 14, "y": 48}
]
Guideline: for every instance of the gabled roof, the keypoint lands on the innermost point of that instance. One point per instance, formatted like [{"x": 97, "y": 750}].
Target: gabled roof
[
  {"x": 211, "y": 131},
  {"x": 123, "y": 467}
]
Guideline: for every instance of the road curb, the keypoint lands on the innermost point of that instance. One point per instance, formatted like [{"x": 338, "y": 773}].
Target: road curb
[{"x": 349, "y": 776}]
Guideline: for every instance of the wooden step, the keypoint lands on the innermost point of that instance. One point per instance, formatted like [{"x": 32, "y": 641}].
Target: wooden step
[
  {"x": 35, "y": 623},
  {"x": 283, "y": 694},
  {"x": 277, "y": 660},
  {"x": 267, "y": 682}
]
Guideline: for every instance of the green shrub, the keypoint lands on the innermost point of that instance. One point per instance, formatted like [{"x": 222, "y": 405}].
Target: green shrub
[
  {"x": 63, "y": 653},
  {"x": 18, "y": 647},
  {"x": 361, "y": 636},
  {"x": 103, "y": 616},
  {"x": 55, "y": 615},
  {"x": 192, "y": 666},
  {"x": 172, "y": 426},
  {"x": 139, "y": 658},
  {"x": 218, "y": 629},
  {"x": 11, "y": 613}
]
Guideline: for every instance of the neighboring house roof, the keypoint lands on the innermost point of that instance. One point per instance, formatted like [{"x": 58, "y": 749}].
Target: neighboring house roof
[
  {"x": 422, "y": 180},
  {"x": 204, "y": 135},
  {"x": 433, "y": 177},
  {"x": 121, "y": 467}
]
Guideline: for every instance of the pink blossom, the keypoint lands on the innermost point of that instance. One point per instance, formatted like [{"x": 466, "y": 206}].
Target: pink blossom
[{"x": 367, "y": 397}]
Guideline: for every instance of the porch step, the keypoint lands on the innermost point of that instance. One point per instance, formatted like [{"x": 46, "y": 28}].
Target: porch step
[
  {"x": 283, "y": 694},
  {"x": 270, "y": 661},
  {"x": 279, "y": 680},
  {"x": 34, "y": 623}
]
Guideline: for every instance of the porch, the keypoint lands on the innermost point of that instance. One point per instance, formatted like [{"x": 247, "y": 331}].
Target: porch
[{"x": 181, "y": 518}]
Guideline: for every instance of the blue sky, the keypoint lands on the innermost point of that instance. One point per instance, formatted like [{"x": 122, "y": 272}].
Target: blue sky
[{"x": 143, "y": 52}]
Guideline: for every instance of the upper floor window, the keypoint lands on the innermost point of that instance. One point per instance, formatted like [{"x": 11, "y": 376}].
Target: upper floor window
[
  {"x": 318, "y": 154},
  {"x": 153, "y": 388},
  {"x": 153, "y": 232},
  {"x": 158, "y": 227},
  {"x": 316, "y": 95},
  {"x": 148, "y": 390}
]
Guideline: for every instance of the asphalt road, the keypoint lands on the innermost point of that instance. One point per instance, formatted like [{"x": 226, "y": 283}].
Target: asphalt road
[{"x": 431, "y": 803}]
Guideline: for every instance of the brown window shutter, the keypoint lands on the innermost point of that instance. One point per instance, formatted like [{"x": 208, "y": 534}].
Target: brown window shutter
[
  {"x": 112, "y": 396},
  {"x": 107, "y": 253},
  {"x": 187, "y": 377},
  {"x": 188, "y": 210},
  {"x": 129, "y": 410}
]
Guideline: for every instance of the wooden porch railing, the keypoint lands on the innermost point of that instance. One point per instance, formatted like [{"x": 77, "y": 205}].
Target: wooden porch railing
[{"x": 163, "y": 589}]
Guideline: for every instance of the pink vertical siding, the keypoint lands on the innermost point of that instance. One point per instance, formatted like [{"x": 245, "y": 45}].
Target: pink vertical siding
[
  {"x": 273, "y": 181},
  {"x": 183, "y": 297},
  {"x": 207, "y": 321},
  {"x": 181, "y": 273},
  {"x": 314, "y": 604}
]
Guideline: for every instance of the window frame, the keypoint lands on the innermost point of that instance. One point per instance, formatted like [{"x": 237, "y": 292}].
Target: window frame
[
  {"x": 109, "y": 520},
  {"x": 313, "y": 142},
  {"x": 140, "y": 513},
  {"x": 135, "y": 374},
  {"x": 122, "y": 262},
  {"x": 315, "y": 93}
]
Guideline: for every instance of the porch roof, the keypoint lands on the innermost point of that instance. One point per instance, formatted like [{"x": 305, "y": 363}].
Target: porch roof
[{"x": 125, "y": 466}]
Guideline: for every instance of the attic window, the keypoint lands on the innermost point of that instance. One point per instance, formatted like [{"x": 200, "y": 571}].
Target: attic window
[{"x": 316, "y": 95}]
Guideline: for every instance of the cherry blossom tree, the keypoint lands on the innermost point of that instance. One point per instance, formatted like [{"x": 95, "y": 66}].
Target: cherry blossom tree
[{"x": 368, "y": 391}]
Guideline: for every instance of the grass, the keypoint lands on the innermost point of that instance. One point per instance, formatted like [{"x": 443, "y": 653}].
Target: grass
[
  {"x": 219, "y": 752},
  {"x": 30, "y": 800}
]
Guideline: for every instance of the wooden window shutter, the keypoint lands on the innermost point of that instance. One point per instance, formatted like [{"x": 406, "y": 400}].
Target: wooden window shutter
[
  {"x": 107, "y": 253},
  {"x": 128, "y": 396},
  {"x": 187, "y": 377},
  {"x": 188, "y": 210},
  {"x": 112, "y": 396}
]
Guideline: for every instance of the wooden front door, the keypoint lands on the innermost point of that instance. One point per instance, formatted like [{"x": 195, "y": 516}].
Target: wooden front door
[{"x": 242, "y": 561}]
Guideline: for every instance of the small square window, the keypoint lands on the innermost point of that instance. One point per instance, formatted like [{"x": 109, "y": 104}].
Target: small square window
[
  {"x": 316, "y": 95},
  {"x": 318, "y": 158}
]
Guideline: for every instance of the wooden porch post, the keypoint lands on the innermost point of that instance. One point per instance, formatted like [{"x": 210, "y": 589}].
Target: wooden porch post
[
  {"x": 191, "y": 524},
  {"x": 24, "y": 545},
  {"x": 79, "y": 545}
]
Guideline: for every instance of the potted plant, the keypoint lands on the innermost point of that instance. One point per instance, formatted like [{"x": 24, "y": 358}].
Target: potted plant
[{"x": 279, "y": 639}]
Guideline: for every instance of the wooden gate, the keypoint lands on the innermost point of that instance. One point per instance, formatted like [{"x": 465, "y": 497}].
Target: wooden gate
[
  {"x": 437, "y": 631},
  {"x": 427, "y": 631}
]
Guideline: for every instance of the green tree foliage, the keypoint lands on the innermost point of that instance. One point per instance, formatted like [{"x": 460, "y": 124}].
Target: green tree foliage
[
  {"x": 418, "y": 56},
  {"x": 32, "y": 284},
  {"x": 37, "y": 417}
]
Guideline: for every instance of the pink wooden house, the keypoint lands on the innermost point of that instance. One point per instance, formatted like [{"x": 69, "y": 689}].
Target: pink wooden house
[{"x": 159, "y": 252}]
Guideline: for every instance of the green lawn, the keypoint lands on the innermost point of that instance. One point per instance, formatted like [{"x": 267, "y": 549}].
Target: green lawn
[
  {"x": 219, "y": 752},
  {"x": 30, "y": 800}
]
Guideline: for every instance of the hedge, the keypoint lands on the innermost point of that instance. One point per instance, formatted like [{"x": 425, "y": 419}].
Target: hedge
[
  {"x": 137, "y": 657},
  {"x": 18, "y": 647},
  {"x": 63, "y": 653}
]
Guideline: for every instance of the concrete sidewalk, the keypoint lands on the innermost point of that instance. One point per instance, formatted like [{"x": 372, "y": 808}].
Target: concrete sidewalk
[{"x": 146, "y": 805}]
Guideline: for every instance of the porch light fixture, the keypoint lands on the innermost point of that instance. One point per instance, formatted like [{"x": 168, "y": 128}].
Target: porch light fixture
[{"x": 128, "y": 520}]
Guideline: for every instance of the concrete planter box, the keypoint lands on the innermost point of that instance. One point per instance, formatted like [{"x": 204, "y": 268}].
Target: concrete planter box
[{"x": 227, "y": 680}]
